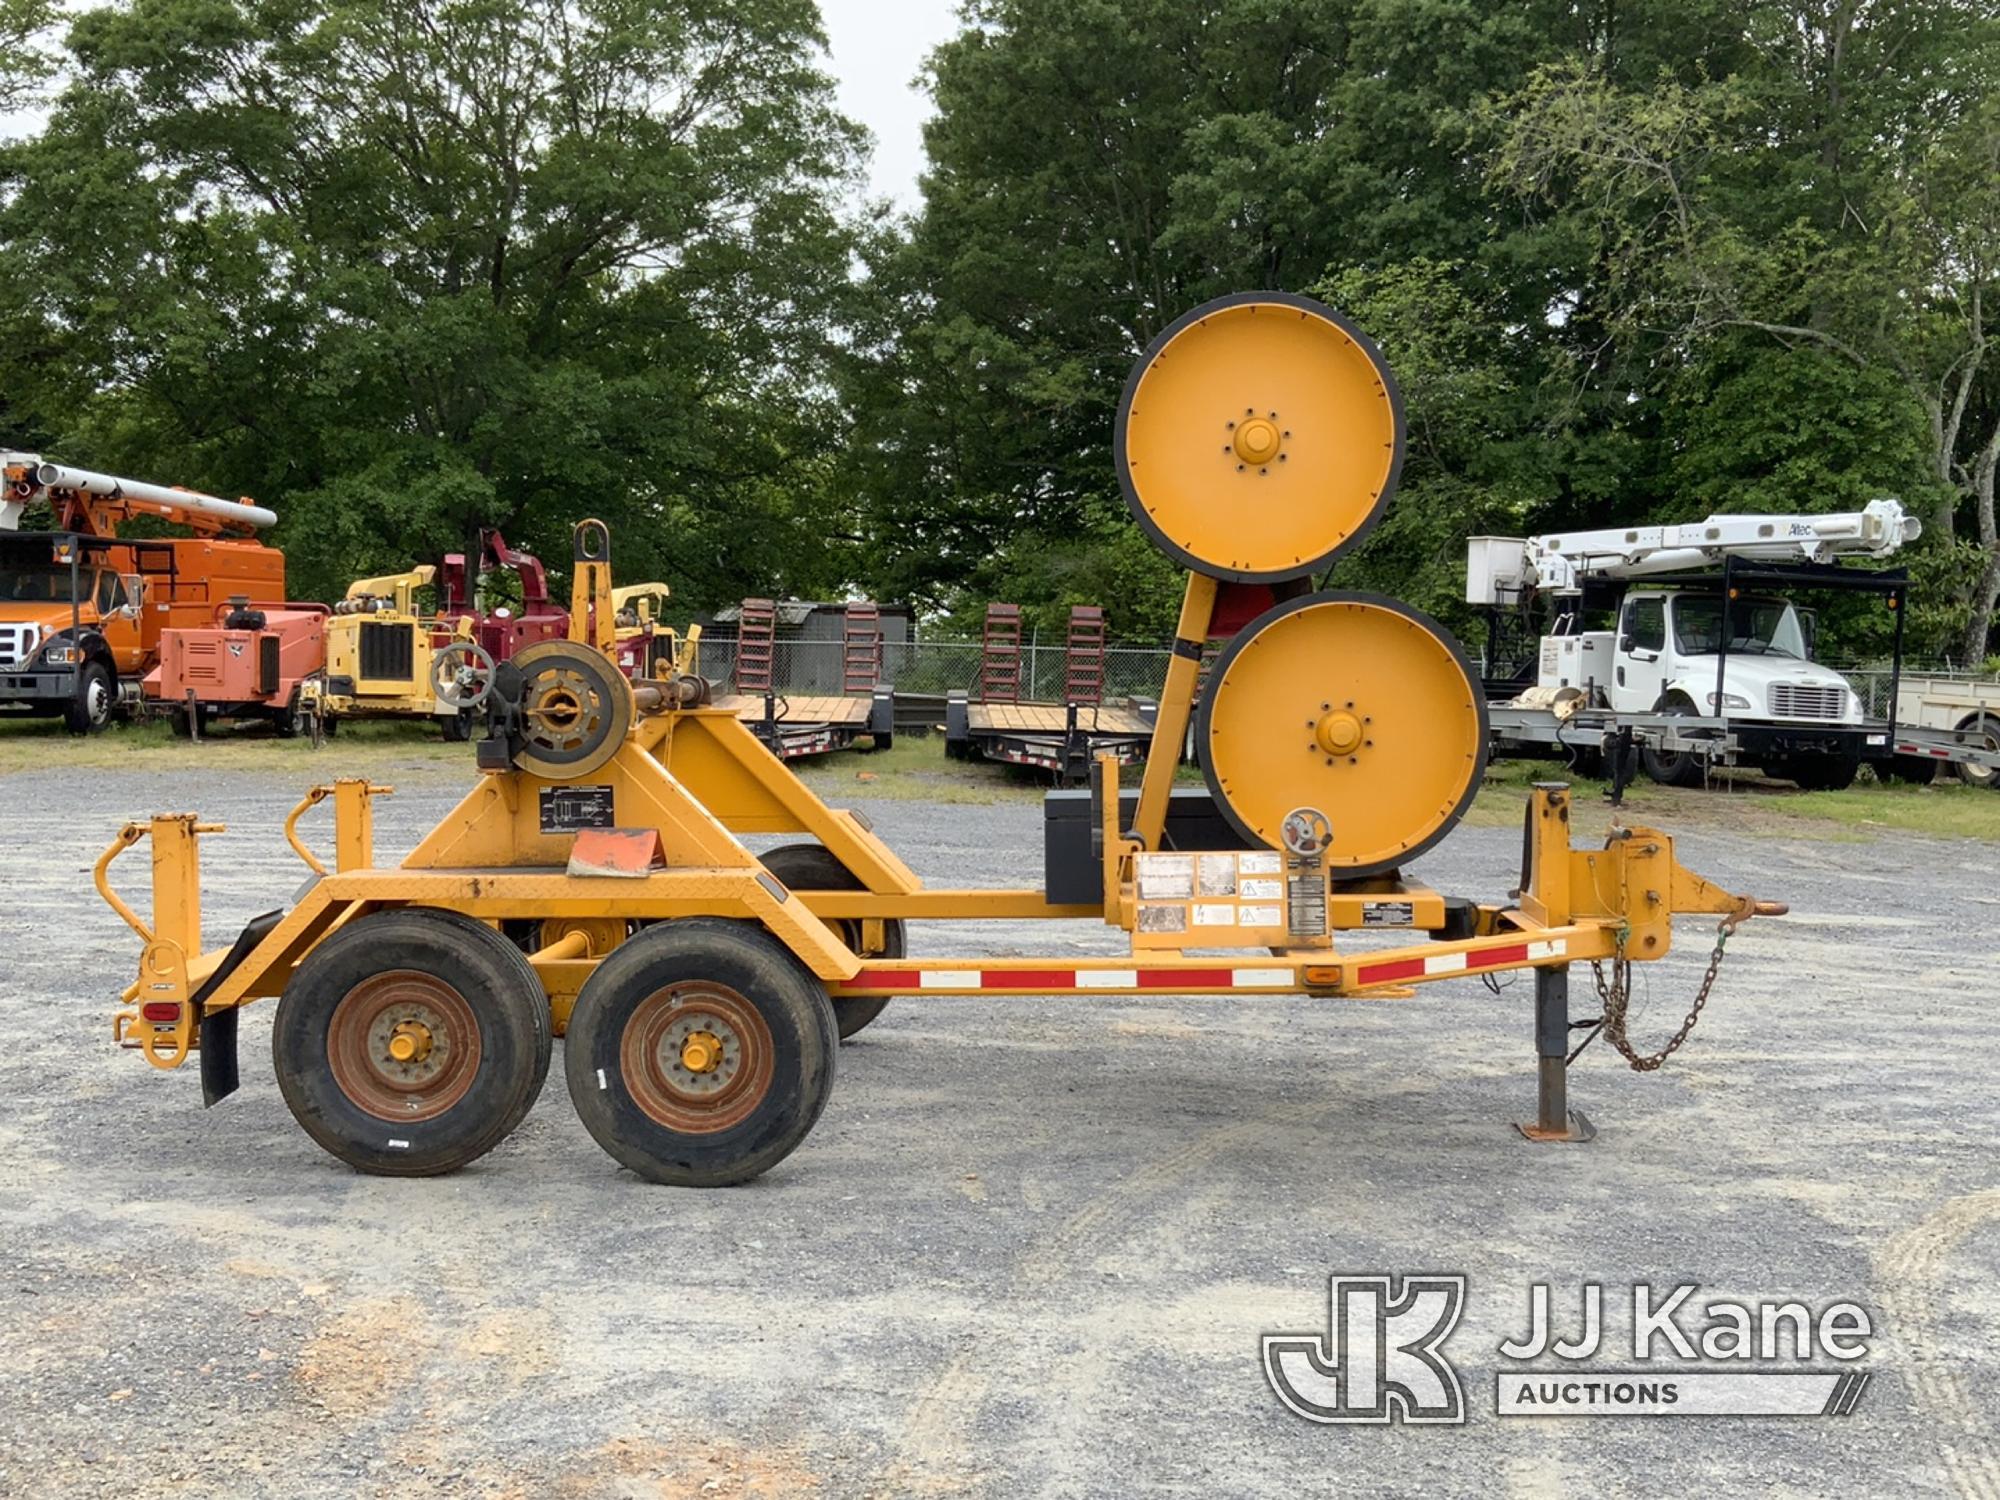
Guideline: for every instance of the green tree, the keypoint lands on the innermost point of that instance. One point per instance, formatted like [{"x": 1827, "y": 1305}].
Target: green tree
[
  {"x": 405, "y": 267},
  {"x": 1100, "y": 166},
  {"x": 1836, "y": 196}
]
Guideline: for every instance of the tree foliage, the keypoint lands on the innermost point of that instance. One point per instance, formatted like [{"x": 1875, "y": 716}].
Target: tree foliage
[
  {"x": 403, "y": 267},
  {"x": 1631, "y": 262}
]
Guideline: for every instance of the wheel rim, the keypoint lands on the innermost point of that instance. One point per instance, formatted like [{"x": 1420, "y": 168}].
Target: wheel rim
[
  {"x": 97, "y": 700},
  {"x": 1981, "y": 775},
  {"x": 697, "y": 1057},
  {"x": 403, "y": 1045}
]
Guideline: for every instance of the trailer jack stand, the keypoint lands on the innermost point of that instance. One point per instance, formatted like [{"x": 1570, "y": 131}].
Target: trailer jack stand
[{"x": 1554, "y": 1119}]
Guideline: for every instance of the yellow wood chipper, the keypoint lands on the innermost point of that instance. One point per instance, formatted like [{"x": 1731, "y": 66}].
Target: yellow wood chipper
[{"x": 594, "y": 883}]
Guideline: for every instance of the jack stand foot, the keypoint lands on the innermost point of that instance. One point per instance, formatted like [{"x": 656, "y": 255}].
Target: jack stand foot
[
  {"x": 1577, "y": 1130},
  {"x": 1554, "y": 1119}
]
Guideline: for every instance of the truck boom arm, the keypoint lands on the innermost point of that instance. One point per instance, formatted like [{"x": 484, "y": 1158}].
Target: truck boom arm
[
  {"x": 88, "y": 501},
  {"x": 1560, "y": 562}
]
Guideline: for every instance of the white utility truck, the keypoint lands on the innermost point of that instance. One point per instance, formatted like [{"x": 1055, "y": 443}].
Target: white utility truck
[{"x": 1708, "y": 661}]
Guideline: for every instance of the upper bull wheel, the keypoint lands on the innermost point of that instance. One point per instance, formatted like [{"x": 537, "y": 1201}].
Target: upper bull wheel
[
  {"x": 1259, "y": 437},
  {"x": 701, "y": 1052},
  {"x": 412, "y": 1042}
]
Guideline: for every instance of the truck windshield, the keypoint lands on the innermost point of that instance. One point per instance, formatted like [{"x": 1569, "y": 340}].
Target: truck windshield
[
  {"x": 1758, "y": 627},
  {"x": 45, "y": 584}
]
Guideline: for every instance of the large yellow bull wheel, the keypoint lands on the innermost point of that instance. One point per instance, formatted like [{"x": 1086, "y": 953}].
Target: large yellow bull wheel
[
  {"x": 1354, "y": 706},
  {"x": 1259, "y": 436}
]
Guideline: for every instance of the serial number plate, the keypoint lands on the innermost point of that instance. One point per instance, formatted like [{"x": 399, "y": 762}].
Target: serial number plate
[{"x": 1387, "y": 913}]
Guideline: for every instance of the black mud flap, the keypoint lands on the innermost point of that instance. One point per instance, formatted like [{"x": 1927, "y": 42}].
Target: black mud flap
[{"x": 219, "y": 1077}]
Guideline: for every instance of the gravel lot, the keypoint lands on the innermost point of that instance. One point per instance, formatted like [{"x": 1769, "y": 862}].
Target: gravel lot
[{"x": 1032, "y": 1245}]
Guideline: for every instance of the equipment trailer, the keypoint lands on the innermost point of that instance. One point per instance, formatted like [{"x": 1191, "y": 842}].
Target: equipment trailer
[
  {"x": 1061, "y": 738},
  {"x": 795, "y": 725},
  {"x": 703, "y": 991}
]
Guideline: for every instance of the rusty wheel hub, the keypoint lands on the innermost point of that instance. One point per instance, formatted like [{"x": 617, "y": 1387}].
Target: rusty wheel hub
[
  {"x": 697, "y": 1057},
  {"x": 403, "y": 1045}
]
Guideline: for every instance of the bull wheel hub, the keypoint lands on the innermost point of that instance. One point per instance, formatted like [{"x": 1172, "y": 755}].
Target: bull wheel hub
[
  {"x": 1339, "y": 732},
  {"x": 1257, "y": 440}
]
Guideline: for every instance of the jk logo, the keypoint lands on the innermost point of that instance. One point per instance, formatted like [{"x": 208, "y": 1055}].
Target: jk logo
[{"x": 1379, "y": 1360}]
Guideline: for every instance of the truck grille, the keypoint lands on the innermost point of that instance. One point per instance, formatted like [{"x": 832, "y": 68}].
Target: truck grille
[
  {"x": 16, "y": 642},
  {"x": 1793, "y": 700}
]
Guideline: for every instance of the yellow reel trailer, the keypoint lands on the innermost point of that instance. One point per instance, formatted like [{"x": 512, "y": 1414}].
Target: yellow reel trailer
[{"x": 593, "y": 881}]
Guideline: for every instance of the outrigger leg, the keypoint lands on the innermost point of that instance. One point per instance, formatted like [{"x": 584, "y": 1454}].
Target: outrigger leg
[{"x": 1554, "y": 1119}]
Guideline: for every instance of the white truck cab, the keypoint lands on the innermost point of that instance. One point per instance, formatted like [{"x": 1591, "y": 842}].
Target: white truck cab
[{"x": 1668, "y": 646}]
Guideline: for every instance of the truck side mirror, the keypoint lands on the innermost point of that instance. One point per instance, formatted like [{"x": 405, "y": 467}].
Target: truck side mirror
[{"x": 1625, "y": 643}]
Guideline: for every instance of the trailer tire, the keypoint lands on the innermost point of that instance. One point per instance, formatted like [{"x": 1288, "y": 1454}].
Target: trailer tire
[
  {"x": 443, "y": 977},
  {"x": 90, "y": 707},
  {"x": 1989, "y": 727},
  {"x": 1910, "y": 770},
  {"x": 813, "y": 867},
  {"x": 1825, "y": 771},
  {"x": 701, "y": 1052},
  {"x": 1674, "y": 767}
]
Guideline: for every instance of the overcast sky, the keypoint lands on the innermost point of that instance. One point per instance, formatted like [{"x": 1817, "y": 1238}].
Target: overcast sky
[{"x": 878, "y": 45}]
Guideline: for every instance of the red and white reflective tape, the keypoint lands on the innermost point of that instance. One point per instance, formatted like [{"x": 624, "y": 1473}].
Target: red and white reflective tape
[
  {"x": 1431, "y": 965},
  {"x": 1046, "y": 981}
]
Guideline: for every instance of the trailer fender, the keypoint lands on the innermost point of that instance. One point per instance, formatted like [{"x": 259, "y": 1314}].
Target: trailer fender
[{"x": 219, "y": 1076}]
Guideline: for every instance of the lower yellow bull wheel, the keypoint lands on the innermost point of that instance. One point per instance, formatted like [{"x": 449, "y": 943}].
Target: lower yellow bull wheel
[{"x": 1352, "y": 705}]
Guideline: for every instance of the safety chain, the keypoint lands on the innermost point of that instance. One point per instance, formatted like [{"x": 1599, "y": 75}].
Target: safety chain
[{"x": 1617, "y": 995}]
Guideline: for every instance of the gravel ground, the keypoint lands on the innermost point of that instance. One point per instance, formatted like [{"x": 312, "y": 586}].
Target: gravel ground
[{"x": 1031, "y": 1246}]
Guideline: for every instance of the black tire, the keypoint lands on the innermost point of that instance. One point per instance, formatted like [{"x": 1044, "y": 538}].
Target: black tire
[
  {"x": 96, "y": 697},
  {"x": 1988, "y": 726},
  {"x": 1911, "y": 770},
  {"x": 1674, "y": 767},
  {"x": 812, "y": 867},
  {"x": 687, "y": 972},
  {"x": 883, "y": 741},
  {"x": 291, "y": 721},
  {"x": 1828, "y": 771},
  {"x": 189, "y": 720},
  {"x": 457, "y": 727},
  {"x": 448, "y": 954}
]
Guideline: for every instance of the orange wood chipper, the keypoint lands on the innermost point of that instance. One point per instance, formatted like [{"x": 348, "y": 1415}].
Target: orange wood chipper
[{"x": 593, "y": 881}]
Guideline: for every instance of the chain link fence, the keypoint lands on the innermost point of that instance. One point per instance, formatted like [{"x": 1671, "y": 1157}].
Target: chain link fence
[{"x": 937, "y": 668}]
